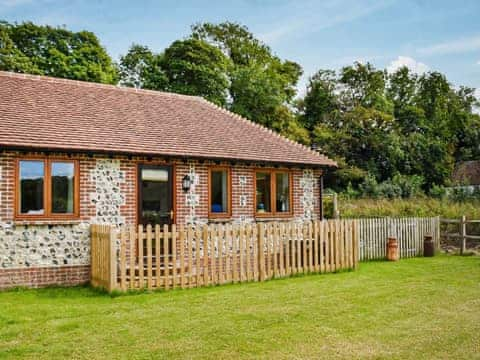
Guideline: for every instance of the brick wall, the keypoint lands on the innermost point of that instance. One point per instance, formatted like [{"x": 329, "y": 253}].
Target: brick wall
[
  {"x": 44, "y": 276},
  {"x": 40, "y": 253}
]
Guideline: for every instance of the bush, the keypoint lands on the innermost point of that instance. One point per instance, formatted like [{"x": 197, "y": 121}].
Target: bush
[
  {"x": 410, "y": 185},
  {"x": 350, "y": 192},
  {"x": 400, "y": 186},
  {"x": 390, "y": 190},
  {"x": 460, "y": 194},
  {"x": 438, "y": 192},
  {"x": 369, "y": 187}
]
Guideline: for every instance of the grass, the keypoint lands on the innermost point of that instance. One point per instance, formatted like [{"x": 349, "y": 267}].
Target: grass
[{"x": 417, "y": 308}]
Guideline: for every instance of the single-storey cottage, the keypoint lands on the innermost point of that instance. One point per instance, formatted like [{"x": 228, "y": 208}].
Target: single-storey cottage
[
  {"x": 466, "y": 175},
  {"x": 76, "y": 153}
]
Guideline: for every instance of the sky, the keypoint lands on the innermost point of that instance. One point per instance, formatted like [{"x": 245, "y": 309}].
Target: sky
[{"x": 424, "y": 35}]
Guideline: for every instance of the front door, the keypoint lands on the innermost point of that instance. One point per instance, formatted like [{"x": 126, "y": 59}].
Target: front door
[{"x": 155, "y": 195}]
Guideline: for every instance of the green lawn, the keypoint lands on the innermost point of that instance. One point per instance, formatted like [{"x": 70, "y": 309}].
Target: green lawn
[{"x": 417, "y": 308}]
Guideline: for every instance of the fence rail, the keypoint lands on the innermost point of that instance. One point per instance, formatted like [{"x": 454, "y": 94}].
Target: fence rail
[
  {"x": 170, "y": 257},
  {"x": 462, "y": 231},
  {"x": 373, "y": 235}
]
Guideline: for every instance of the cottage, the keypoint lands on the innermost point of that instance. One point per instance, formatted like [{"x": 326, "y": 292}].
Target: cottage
[
  {"x": 466, "y": 175},
  {"x": 76, "y": 153}
]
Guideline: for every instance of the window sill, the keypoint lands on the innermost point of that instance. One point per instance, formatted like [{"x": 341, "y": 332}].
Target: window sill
[
  {"x": 274, "y": 218},
  {"x": 220, "y": 219},
  {"x": 27, "y": 222}
]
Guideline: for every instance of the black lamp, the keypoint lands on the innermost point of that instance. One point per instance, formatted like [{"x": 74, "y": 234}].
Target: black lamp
[{"x": 186, "y": 183}]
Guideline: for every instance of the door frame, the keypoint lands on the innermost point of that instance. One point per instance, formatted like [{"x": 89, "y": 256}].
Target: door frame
[{"x": 173, "y": 171}]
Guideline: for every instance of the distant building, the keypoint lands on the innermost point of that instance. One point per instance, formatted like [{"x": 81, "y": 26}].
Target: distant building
[{"x": 467, "y": 175}]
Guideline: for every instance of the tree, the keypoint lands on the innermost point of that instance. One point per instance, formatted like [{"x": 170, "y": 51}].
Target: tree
[
  {"x": 261, "y": 84},
  {"x": 142, "y": 69},
  {"x": 12, "y": 59},
  {"x": 55, "y": 52},
  {"x": 320, "y": 101},
  {"x": 402, "y": 88},
  {"x": 235, "y": 41},
  {"x": 195, "y": 67},
  {"x": 256, "y": 94},
  {"x": 363, "y": 85}
]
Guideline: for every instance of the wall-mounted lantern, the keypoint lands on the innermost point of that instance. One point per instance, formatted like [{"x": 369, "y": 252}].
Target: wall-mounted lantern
[{"x": 186, "y": 183}]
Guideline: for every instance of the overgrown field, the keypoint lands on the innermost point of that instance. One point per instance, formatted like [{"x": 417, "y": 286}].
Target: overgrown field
[
  {"x": 421, "y": 206},
  {"x": 423, "y": 308}
]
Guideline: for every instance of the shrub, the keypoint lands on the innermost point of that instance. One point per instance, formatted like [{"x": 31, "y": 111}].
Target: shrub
[
  {"x": 400, "y": 186},
  {"x": 410, "y": 185},
  {"x": 460, "y": 194},
  {"x": 390, "y": 190},
  {"x": 369, "y": 187},
  {"x": 438, "y": 192}
]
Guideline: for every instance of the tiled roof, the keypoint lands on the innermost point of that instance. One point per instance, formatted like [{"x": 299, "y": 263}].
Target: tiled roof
[
  {"x": 50, "y": 113},
  {"x": 467, "y": 173}
]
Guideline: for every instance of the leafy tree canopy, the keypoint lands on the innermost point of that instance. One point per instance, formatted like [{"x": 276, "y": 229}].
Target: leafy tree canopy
[
  {"x": 388, "y": 124},
  {"x": 261, "y": 84},
  {"x": 54, "y": 51},
  {"x": 194, "y": 67}
]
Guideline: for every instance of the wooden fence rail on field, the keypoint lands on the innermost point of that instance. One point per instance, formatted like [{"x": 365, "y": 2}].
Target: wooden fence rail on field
[
  {"x": 461, "y": 233},
  {"x": 410, "y": 232},
  {"x": 169, "y": 257}
]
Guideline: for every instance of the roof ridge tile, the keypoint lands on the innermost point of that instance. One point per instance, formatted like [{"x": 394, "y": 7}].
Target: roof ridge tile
[{"x": 85, "y": 83}]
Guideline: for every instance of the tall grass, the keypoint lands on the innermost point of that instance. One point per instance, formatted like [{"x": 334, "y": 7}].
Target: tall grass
[{"x": 420, "y": 207}]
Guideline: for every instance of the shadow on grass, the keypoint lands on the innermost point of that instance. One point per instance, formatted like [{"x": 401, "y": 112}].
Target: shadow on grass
[{"x": 87, "y": 291}]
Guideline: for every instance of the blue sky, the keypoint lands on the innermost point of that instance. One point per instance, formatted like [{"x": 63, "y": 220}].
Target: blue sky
[{"x": 426, "y": 35}]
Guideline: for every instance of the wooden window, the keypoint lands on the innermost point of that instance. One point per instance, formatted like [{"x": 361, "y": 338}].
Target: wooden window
[
  {"x": 219, "y": 192},
  {"x": 47, "y": 189},
  {"x": 273, "y": 193}
]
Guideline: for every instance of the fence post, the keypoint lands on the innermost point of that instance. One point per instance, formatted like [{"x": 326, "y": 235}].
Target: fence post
[
  {"x": 463, "y": 234},
  {"x": 356, "y": 244},
  {"x": 336, "y": 213},
  {"x": 112, "y": 243},
  {"x": 261, "y": 255},
  {"x": 437, "y": 229}
]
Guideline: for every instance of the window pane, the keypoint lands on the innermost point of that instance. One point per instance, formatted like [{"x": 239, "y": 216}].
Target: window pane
[
  {"x": 32, "y": 176},
  {"x": 63, "y": 182},
  {"x": 282, "y": 192},
  {"x": 219, "y": 191},
  {"x": 263, "y": 192},
  {"x": 155, "y": 199}
]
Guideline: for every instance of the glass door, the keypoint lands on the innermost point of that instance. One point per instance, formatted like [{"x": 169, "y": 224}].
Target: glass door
[{"x": 155, "y": 195}]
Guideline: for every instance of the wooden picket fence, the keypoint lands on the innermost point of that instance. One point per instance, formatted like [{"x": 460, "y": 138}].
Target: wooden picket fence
[
  {"x": 169, "y": 257},
  {"x": 103, "y": 256},
  {"x": 410, "y": 232}
]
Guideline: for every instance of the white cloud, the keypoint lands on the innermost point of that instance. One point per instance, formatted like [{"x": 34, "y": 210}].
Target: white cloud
[
  {"x": 452, "y": 47},
  {"x": 478, "y": 62},
  {"x": 412, "y": 64}
]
